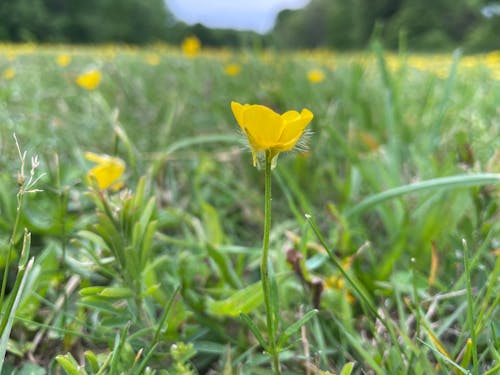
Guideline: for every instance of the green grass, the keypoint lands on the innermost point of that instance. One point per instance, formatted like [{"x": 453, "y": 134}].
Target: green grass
[{"x": 387, "y": 224}]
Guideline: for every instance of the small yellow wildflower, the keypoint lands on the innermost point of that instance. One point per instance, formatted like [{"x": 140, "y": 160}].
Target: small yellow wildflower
[
  {"x": 191, "y": 46},
  {"x": 152, "y": 59},
  {"x": 338, "y": 283},
  {"x": 9, "y": 73},
  {"x": 107, "y": 172},
  {"x": 63, "y": 60},
  {"x": 232, "y": 69},
  {"x": 90, "y": 79},
  {"x": 266, "y": 130},
  {"x": 315, "y": 76}
]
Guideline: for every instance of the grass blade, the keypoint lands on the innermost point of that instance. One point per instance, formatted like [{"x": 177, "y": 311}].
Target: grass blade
[
  {"x": 295, "y": 327},
  {"x": 470, "y": 309},
  {"x": 251, "y": 325},
  {"x": 452, "y": 182},
  {"x": 11, "y": 310}
]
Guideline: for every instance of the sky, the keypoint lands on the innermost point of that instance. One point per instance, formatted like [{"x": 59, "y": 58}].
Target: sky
[{"x": 257, "y": 15}]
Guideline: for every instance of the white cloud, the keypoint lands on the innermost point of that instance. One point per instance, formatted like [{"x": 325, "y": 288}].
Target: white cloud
[{"x": 258, "y": 15}]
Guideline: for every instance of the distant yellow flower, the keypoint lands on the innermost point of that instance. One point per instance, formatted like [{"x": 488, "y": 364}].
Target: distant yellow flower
[
  {"x": 267, "y": 130},
  {"x": 9, "y": 73},
  {"x": 107, "y": 172},
  {"x": 90, "y": 79},
  {"x": 232, "y": 69},
  {"x": 191, "y": 46},
  {"x": 152, "y": 59},
  {"x": 63, "y": 60},
  {"x": 315, "y": 76},
  {"x": 337, "y": 282}
]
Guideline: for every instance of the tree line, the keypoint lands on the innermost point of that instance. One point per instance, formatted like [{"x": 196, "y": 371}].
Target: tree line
[
  {"x": 419, "y": 24},
  {"x": 338, "y": 24}
]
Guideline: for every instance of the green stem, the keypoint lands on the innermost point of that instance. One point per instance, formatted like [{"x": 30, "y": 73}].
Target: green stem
[
  {"x": 12, "y": 240},
  {"x": 264, "y": 269},
  {"x": 470, "y": 308}
]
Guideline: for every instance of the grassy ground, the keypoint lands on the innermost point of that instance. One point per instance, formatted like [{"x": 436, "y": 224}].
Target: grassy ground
[{"x": 394, "y": 270}]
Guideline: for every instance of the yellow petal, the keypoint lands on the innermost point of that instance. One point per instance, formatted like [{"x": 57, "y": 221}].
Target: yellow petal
[
  {"x": 263, "y": 125},
  {"x": 89, "y": 80},
  {"x": 315, "y": 76},
  {"x": 105, "y": 174},
  {"x": 63, "y": 60},
  {"x": 295, "y": 124},
  {"x": 107, "y": 171},
  {"x": 9, "y": 73},
  {"x": 96, "y": 158},
  {"x": 191, "y": 46},
  {"x": 238, "y": 109},
  {"x": 290, "y": 116}
]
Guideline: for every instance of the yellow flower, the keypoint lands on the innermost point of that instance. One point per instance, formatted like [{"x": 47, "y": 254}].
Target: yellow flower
[
  {"x": 9, "y": 73},
  {"x": 107, "y": 172},
  {"x": 267, "y": 130},
  {"x": 90, "y": 79},
  {"x": 232, "y": 69},
  {"x": 315, "y": 76},
  {"x": 191, "y": 46},
  {"x": 152, "y": 59},
  {"x": 63, "y": 60},
  {"x": 337, "y": 282}
]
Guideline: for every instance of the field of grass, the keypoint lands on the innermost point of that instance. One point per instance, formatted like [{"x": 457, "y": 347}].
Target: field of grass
[{"x": 385, "y": 230}]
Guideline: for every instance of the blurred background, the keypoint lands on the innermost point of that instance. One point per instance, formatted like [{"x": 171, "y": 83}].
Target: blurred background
[{"x": 422, "y": 25}]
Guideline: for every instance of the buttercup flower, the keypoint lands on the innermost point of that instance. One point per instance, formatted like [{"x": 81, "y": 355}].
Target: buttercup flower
[
  {"x": 315, "y": 76},
  {"x": 232, "y": 69},
  {"x": 152, "y": 59},
  {"x": 191, "y": 46},
  {"x": 9, "y": 73},
  {"x": 63, "y": 60},
  {"x": 90, "y": 79},
  {"x": 267, "y": 130},
  {"x": 107, "y": 172}
]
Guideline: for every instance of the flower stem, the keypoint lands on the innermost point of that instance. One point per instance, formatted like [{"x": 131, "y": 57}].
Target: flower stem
[
  {"x": 12, "y": 240},
  {"x": 264, "y": 269}
]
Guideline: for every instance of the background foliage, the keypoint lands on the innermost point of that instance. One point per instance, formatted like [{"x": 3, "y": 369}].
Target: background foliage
[{"x": 337, "y": 24}]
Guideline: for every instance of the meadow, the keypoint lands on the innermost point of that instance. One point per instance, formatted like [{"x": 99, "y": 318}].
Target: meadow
[{"x": 384, "y": 241}]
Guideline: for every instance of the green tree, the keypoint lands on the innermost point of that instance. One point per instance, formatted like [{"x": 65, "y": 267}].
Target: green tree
[
  {"x": 23, "y": 20},
  {"x": 84, "y": 21},
  {"x": 428, "y": 24}
]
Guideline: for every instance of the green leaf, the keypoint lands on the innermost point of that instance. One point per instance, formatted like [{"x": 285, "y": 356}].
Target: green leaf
[
  {"x": 224, "y": 265},
  {"x": 211, "y": 223},
  {"x": 17, "y": 292},
  {"x": 164, "y": 315},
  {"x": 251, "y": 325},
  {"x": 452, "y": 182},
  {"x": 240, "y": 301},
  {"x": 69, "y": 364},
  {"x": 91, "y": 290},
  {"x": 147, "y": 213},
  {"x": 117, "y": 349},
  {"x": 147, "y": 243},
  {"x": 228, "y": 370},
  {"x": 108, "y": 292},
  {"x": 295, "y": 327},
  {"x": 140, "y": 192},
  {"x": 347, "y": 369},
  {"x": 92, "y": 361}
]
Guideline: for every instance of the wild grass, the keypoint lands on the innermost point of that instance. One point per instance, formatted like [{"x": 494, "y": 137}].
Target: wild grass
[{"x": 387, "y": 223}]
